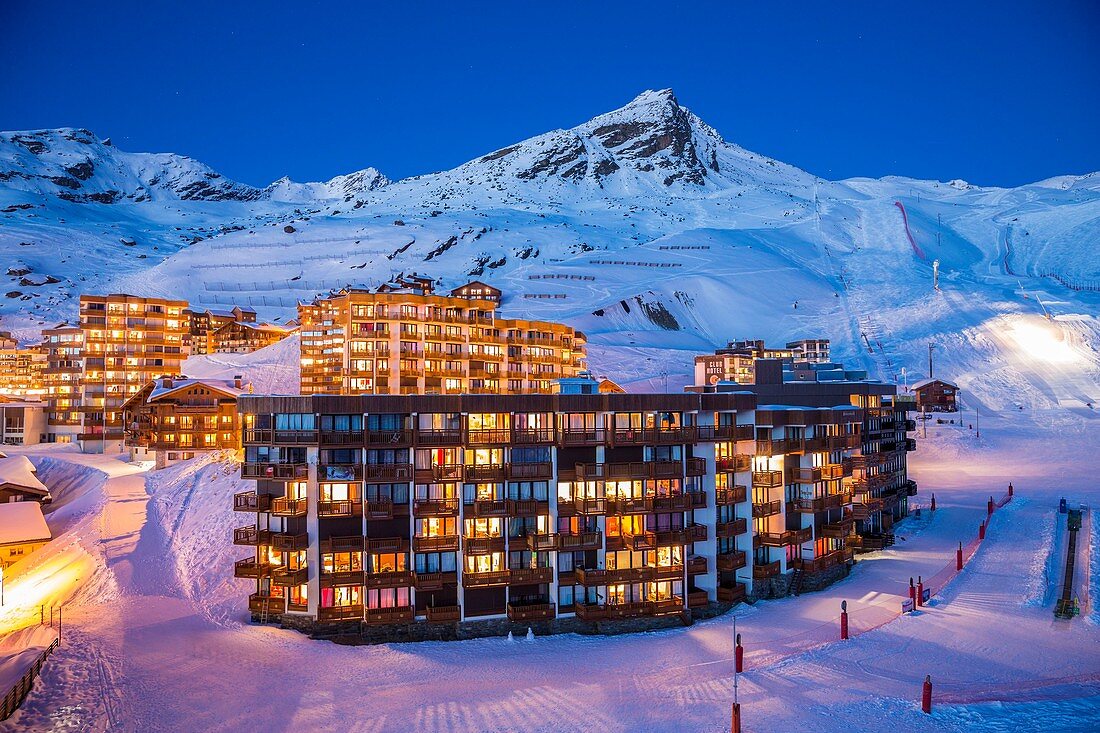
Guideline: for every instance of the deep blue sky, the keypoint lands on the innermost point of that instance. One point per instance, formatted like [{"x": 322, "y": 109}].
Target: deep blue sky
[{"x": 999, "y": 93}]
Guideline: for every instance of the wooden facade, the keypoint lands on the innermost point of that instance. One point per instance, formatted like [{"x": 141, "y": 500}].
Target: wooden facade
[
  {"x": 936, "y": 395},
  {"x": 390, "y": 508},
  {"x": 243, "y": 338},
  {"x": 173, "y": 419}
]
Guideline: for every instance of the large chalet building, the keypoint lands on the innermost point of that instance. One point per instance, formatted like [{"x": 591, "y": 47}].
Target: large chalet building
[
  {"x": 411, "y": 341},
  {"x": 433, "y": 509}
]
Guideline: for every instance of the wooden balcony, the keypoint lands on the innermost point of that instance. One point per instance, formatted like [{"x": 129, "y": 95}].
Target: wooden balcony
[
  {"x": 837, "y": 530},
  {"x": 697, "y": 599},
  {"x": 630, "y": 470},
  {"x": 732, "y": 495},
  {"x": 727, "y": 562},
  {"x": 767, "y": 509},
  {"x": 439, "y": 473},
  {"x": 347, "y": 438},
  {"x": 283, "y": 507},
  {"x": 530, "y": 471},
  {"x": 732, "y": 593},
  {"x": 250, "y": 567},
  {"x": 387, "y": 545},
  {"x": 396, "y": 615},
  {"x": 650, "y": 540},
  {"x": 533, "y": 436},
  {"x": 436, "y": 507},
  {"x": 442, "y": 543},
  {"x": 653, "y": 436},
  {"x": 732, "y": 528},
  {"x": 433, "y": 581},
  {"x": 340, "y": 577},
  {"x": 488, "y": 436},
  {"x": 387, "y": 472},
  {"x": 275, "y": 471},
  {"x": 261, "y": 603},
  {"x": 567, "y": 542},
  {"x": 733, "y": 464},
  {"x": 695, "y": 467},
  {"x": 340, "y": 613},
  {"x": 531, "y": 612},
  {"x": 666, "y": 606},
  {"x": 584, "y": 507},
  {"x": 379, "y": 509},
  {"x": 340, "y": 508},
  {"x": 767, "y": 570},
  {"x": 389, "y": 438},
  {"x": 821, "y": 503},
  {"x": 439, "y": 438},
  {"x": 478, "y": 473},
  {"x": 443, "y": 614},
  {"x": 527, "y": 507},
  {"x": 490, "y": 578},
  {"x": 591, "y": 612},
  {"x": 697, "y": 565},
  {"x": 531, "y": 576},
  {"x": 482, "y": 545},
  {"x": 352, "y": 543},
  {"x": 767, "y": 479},
  {"x": 843, "y": 442},
  {"x": 281, "y": 575},
  {"x": 251, "y": 536},
  {"x": 488, "y": 508},
  {"x": 389, "y": 579},
  {"x": 790, "y": 537},
  {"x": 824, "y": 562},
  {"x": 707, "y": 433}
]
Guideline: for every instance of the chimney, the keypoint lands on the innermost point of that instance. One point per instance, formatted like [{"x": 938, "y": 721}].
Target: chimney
[
  {"x": 166, "y": 383},
  {"x": 237, "y": 380}
]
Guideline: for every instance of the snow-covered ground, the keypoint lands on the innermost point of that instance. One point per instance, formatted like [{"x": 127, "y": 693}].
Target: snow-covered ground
[{"x": 157, "y": 638}]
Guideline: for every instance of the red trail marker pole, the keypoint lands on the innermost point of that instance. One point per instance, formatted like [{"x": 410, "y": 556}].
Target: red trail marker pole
[
  {"x": 990, "y": 506},
  {"x": 933, "y": 502},
  {"x": 981, "y": 531},
  {"x": 920, "y": 592},
  {"x": 739, "y": 656},
  {"x": 912, "y": 594},
  {"x": 844, "y": 619},
  {"x": 1010, "y": 488},
  {"x": 959, "y": 558},
  {"x": 735, "y": 721},
  {"x": 926, "y": 695}
]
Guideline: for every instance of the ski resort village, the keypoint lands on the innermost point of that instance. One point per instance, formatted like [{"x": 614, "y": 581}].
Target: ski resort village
[{"x": 621, "y": 427}]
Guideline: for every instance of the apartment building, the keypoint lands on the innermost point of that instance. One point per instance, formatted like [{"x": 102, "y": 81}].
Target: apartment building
[
  {"x": 394, "y": 509},
  {"x": 239, "y": 337},
  {"x": 414, "y": 342},
  {"x": 127, "y": 342},
  {"x": 21, "y": 369},
  {"x": 735, "y": 362},
  {"x": 173, "y": 419},
  {"x": 201, "y": 324},
  {"x": 64, "y": 347}
]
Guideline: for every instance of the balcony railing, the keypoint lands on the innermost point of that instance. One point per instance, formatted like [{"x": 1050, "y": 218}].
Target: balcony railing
[
  {"x": 261, "y": 603},
  {"x": 573, "y": 437},
  {"x": 731, "y": 495},
  {"x": 433, "y": 580},
  {"x": 389, "y": 438},
  {"x": 631, "y": 470},
  {"x": 441, "y": 472},
  {"x": 341, "y": 437},
  {"x": 767, "y": 479},
  {"x": 530, "y": 471},
  {"x": 653, "y": 436},
  {"x": 695, "y": 466},
  {"x": 766, "y": 570},
  {"x": 790, "y": 537},
  {"x": 725, "y": 432},
  {"x": 580, "y": 541},
  {"x": 251, "y": 536},
  {"x": 531, "y": 611},
  {"x": 821, "y": 503},
  {"x": 381, "y": 508},
  {"x": 341, "y": 577},
  {"x": 732, "y": 528},
  {"x": 351, "y": 543},
  {"x": 250, "y": 501},
  {"x": 442, "y": 543},
  {"x": 766, "y": 509},
  {"x": 485, "y": 472},
  {"x": 533, "y": 436},
  {"x": 340, "y": 508},
  {"x": 436, "y": 507},
  {"x": 587, "y": 507},
  {"x": 340, "y": 613},
  {"x": 488, "y": 578},
  {"x": 531, "y": 576},
  {"x": 396, "y": 615},
  {"x": 281, "y": 575},
  {"x": 250, "y": 567},
  {"x": 489, "y": 436},
  {"x": 732, "y": 593},
  {"x": 439, "y": 437},
  {"x": 824, "y": 562},
  {"x": 527, "y": 507},
  {"x": 443, "y": 614},
  {"x": 482, "y": 545},
  {"x": 283, "y": 507},
  {"x": 733, "y": 560},
  {"x": 837, "y": 530},
  {"x": 733, "y": 464},
  {"x": 276, "y": 471}
]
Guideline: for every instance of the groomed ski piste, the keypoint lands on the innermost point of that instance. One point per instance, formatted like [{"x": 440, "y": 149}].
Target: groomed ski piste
[{"x": 157, "y": 637}]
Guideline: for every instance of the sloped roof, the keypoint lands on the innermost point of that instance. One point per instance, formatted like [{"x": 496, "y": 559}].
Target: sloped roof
[
  {"x": 221, "y": 385},
  {"x": 18, "y": 471},
  {"x": 22, "y": 521},
  {"x": 926, "y": 382}
]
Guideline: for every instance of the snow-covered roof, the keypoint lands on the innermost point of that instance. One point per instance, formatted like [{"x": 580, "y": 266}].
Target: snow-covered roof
[
  {"x": 22, "y": 521},
  {"x": 18, "y": 471},
  {"x": 926, "y": 382},
  {"x": 222, "y": 385}
]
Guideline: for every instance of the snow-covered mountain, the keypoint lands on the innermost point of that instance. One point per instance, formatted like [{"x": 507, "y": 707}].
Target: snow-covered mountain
[{"x": 642, "y": 227}]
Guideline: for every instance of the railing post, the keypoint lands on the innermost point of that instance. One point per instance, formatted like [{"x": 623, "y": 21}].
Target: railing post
[{"x": 959, "y": 558}]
